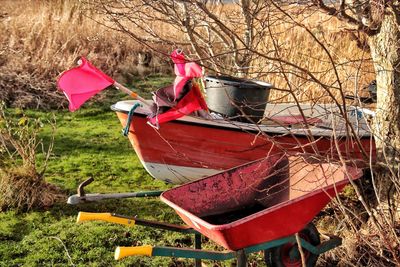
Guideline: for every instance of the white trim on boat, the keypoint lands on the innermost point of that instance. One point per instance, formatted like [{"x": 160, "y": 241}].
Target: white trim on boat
[{"x": 176, "y": 174}]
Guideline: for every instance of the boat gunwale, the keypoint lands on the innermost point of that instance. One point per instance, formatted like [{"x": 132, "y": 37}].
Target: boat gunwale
[{"x": 279, "y": 130}]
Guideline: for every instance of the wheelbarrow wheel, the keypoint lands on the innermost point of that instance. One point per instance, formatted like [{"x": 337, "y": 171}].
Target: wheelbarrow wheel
[{"x": 287, "y": 255}]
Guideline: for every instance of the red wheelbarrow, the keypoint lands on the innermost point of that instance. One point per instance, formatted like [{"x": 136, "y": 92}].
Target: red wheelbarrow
[{"x": 266, "y": 205}]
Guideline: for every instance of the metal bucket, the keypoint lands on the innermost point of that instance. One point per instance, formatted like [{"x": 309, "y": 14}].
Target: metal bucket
[{"x": 237, "y": 99}]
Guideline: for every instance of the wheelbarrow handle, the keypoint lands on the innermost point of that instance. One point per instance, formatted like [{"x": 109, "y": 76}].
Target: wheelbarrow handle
[
  {"x": 131, "y": 221},
  {"x": 122, "y": 252},
  {"x": 107, "y": 217},
  {"x": 188, "y": 253}
]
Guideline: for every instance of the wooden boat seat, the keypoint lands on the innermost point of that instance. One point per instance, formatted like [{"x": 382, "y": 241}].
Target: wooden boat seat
[{"x": 291, "y": 120}]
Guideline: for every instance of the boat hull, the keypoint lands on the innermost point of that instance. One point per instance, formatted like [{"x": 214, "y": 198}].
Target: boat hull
[{"x": 181, "y": 151}]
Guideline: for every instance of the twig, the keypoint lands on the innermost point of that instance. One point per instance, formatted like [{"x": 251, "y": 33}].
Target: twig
[
  {"x": 303, "y": 258},
  {"x": 65, "y": 248}
]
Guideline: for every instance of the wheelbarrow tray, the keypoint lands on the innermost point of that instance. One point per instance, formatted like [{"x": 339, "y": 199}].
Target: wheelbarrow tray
[{"x": 260, "y": 201}]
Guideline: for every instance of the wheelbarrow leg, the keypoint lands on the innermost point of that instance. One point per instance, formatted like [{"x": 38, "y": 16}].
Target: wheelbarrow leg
[
  {"x": 197, "y": 245},
  {"x": 241, "y": 258}
]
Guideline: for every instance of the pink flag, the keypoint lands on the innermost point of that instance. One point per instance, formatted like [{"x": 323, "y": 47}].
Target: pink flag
[
  {"x": 184, "y": 71},
  {"x": 81, "y": 83}
]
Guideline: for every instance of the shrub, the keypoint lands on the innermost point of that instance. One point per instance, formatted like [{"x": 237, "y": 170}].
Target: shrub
[{"x": 22, "y": 184}]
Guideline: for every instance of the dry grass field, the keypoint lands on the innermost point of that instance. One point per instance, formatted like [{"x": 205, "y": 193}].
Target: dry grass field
[
  {"x": 42, "y": 38},
  {"x": 339, "y": 59}
]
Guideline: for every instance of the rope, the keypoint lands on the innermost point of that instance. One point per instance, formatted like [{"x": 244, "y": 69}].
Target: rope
[{"x": 125, "y": 131}]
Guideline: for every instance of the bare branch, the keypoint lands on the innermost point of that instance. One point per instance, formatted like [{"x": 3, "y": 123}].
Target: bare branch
[{"x": 342, "y": 15}]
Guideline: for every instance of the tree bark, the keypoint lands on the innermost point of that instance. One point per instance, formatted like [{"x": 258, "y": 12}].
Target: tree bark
[{"x": 385, "y": 52}]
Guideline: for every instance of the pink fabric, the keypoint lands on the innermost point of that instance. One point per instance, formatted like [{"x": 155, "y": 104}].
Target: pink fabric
[
  {"x": 191, "y": 102},
  {"x": 184, "y": 71},
  {"x": 81, "y": 83}
]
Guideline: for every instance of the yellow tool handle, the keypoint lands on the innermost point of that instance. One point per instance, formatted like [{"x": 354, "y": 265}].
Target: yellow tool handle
[
  {"x": 122, "y": 252},
  {"x": 107, "y": 217}
]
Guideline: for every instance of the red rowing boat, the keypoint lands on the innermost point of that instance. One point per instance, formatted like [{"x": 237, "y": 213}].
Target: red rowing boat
[{"x": 190, "y": 148}]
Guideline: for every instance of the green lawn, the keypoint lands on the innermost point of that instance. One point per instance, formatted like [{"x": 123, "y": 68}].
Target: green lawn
[{"x": 89, "y": 143}]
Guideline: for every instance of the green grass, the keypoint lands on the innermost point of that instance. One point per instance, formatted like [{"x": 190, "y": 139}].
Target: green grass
[{"x": 89, "y": 143}]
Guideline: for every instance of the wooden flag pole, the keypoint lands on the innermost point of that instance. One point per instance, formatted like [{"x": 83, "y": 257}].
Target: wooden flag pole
[{"x": 131, "y": 93}]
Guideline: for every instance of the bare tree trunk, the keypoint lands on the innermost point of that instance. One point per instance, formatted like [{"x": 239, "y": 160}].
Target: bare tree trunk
[{"x": 385, "y": 51}]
